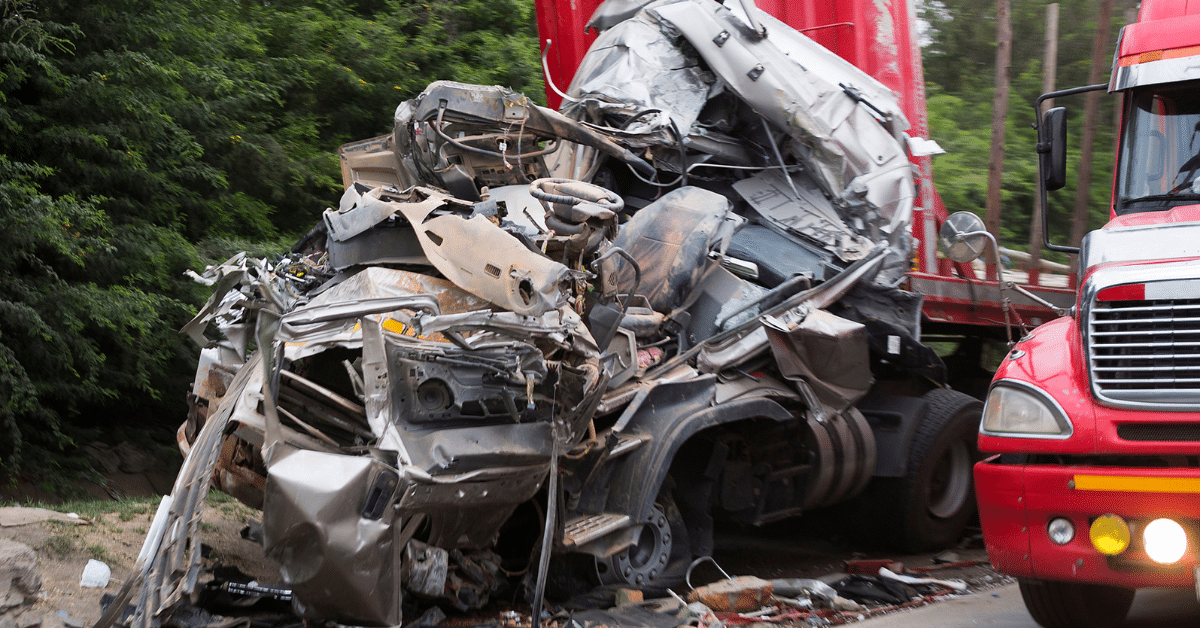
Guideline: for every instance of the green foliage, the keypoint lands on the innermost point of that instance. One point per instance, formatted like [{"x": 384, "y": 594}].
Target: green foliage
[
  {"x": 959, "y": 66},
  {"x": 142, "y": 138}
]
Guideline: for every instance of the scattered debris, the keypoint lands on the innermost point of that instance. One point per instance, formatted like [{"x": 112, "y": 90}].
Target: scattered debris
[
  {"x": 737, "y": 595},
  {"x": 95, "y": 575},
  {"x": 954, "y": 585}
]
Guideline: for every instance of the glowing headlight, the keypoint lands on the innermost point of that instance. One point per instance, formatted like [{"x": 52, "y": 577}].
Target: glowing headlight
[
  {"x": 1013, "y": 410},
  {"x": 1164, "y": 540}
]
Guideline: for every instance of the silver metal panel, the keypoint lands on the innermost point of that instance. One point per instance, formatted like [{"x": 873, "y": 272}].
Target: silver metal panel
[{"x": 1155, "y": 72}]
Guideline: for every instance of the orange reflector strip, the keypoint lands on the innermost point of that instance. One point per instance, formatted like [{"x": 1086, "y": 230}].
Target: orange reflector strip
[
  {"x": 1136, "y": 484},
  {"x": 1157, "y": 55},
  {"x": 394, "y": 326}
]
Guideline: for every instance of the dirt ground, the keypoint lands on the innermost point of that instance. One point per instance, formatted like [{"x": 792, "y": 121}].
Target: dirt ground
[{"x": 113, "y": 532}]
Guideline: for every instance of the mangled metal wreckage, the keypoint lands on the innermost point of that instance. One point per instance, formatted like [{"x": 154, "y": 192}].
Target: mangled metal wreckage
[{"x": 678, "y": 320}]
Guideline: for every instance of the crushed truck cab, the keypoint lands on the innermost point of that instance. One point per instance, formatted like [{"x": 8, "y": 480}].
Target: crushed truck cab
[{"x": 1093, "y": 488}]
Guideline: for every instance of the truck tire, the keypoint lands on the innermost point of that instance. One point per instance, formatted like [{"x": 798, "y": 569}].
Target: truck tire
[
  {"x": 929, "y": 507},
  {"x": 1074, "y": 604}
]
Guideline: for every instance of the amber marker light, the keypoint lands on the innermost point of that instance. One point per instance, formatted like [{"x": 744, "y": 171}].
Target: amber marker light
[{"x": 1110, "y": 535}]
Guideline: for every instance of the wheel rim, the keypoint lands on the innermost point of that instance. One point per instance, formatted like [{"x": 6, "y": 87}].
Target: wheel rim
[
  {"x": 642, "y": 562},
  {"x": 950, "y": 482}
]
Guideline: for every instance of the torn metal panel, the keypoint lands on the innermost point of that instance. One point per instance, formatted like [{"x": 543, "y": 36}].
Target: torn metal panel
[
  {"x": 375, "y": 162},
  {"x": 334, "y": 551},
  {"x": 410, "y": 293},
  {"x": 803, "y": 211},
  {"x": 503, "y": 271},
  {"x": 467, "y": 510},
  {"x": 635, "y": 67},
  {"x": 729, "y": 350},
  {"x": 827, "y": 351}
]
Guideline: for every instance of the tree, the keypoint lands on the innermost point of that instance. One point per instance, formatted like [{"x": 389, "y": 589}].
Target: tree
[{"x": 139, "y": 135}]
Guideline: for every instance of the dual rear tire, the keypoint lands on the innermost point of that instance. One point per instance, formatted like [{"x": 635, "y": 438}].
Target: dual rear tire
[{"x": 931, "y": 504}]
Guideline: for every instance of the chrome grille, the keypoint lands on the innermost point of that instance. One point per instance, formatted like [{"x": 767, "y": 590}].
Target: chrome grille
[{"x": 1146, "y": 353}]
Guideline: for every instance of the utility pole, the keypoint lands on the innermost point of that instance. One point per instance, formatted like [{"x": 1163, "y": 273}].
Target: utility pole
[
  {"x": 1091, "y": 111},
  {"x": 999, "y": 113},
  {"x": 1049, "y": 74}
]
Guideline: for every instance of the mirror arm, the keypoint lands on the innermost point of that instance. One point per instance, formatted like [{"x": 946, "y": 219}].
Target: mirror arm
[{"x": 1006, "y": 305}]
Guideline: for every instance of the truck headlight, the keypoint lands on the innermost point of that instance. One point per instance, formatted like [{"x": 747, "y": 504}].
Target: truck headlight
[
  {"x": 1165, "y": 541},
  {"x": 1018, "y": 409}
]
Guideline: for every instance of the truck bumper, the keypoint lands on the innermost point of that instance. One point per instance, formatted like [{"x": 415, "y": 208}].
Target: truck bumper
[{"x": 1017, "y": 502}]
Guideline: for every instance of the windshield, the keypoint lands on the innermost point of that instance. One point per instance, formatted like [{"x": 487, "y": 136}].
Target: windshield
[{"x": 1160, "y": 149}]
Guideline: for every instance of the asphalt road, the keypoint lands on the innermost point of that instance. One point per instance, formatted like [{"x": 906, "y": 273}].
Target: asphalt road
[{"x": 1002, "y": 608}]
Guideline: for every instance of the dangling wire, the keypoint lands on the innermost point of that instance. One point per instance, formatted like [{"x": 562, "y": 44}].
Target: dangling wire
[{"x": 550, "y": 81}]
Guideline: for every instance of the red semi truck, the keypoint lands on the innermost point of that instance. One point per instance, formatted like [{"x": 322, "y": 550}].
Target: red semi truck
[{"x": 1094, "y": 488}]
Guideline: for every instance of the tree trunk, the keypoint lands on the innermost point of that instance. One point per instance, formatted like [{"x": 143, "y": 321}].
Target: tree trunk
[
  {"x": 1049, "y": 73},
  {"x": 1100, "y": 65},
  {"x": 999, "y": 113}
]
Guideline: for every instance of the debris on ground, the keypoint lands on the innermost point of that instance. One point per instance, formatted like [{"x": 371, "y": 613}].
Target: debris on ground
[
  {"x": 735, "y": 595},
  {"x": 95, "y": 575}
]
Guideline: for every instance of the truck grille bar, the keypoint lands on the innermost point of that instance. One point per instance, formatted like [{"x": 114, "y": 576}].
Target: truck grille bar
[{"x": 1145, "y": 353}]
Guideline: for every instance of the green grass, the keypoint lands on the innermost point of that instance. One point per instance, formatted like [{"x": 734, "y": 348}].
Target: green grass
[
  {"x": 59, "y": 544},
  {"x": 100, "y": 553},
  {"x": 217, "y": 497},
  {"x": 125, "y": 509}
]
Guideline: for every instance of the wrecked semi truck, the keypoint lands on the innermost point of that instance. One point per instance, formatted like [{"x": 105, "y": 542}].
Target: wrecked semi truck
[
  {"x": 1091, "y": 493},
  {"x": 552, "y": 348}
]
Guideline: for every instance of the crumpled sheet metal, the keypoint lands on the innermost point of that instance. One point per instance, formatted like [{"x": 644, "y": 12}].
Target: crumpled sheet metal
[
  {"x": 752, "y": 341},
  {"x": 826, "y": 351},
  {"x": 635, "y": 66},
  {"x": 787, "y": 79},
  {"x": 798, "y": 90},
  {"x": 372, "y": 284},
  {"x": 807, "y": 213},
  {"x": 337, "y": 562},
  {"x": 505, "y": 273}
]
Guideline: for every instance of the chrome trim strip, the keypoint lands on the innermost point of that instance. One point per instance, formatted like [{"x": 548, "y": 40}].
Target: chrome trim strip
[{"x": 1155, "y": 72}]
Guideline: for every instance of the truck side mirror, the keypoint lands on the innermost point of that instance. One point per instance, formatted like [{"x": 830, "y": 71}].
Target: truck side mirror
[
  {"x": 1052, "y": 145},
  {"x": 963, "y": 237}
]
